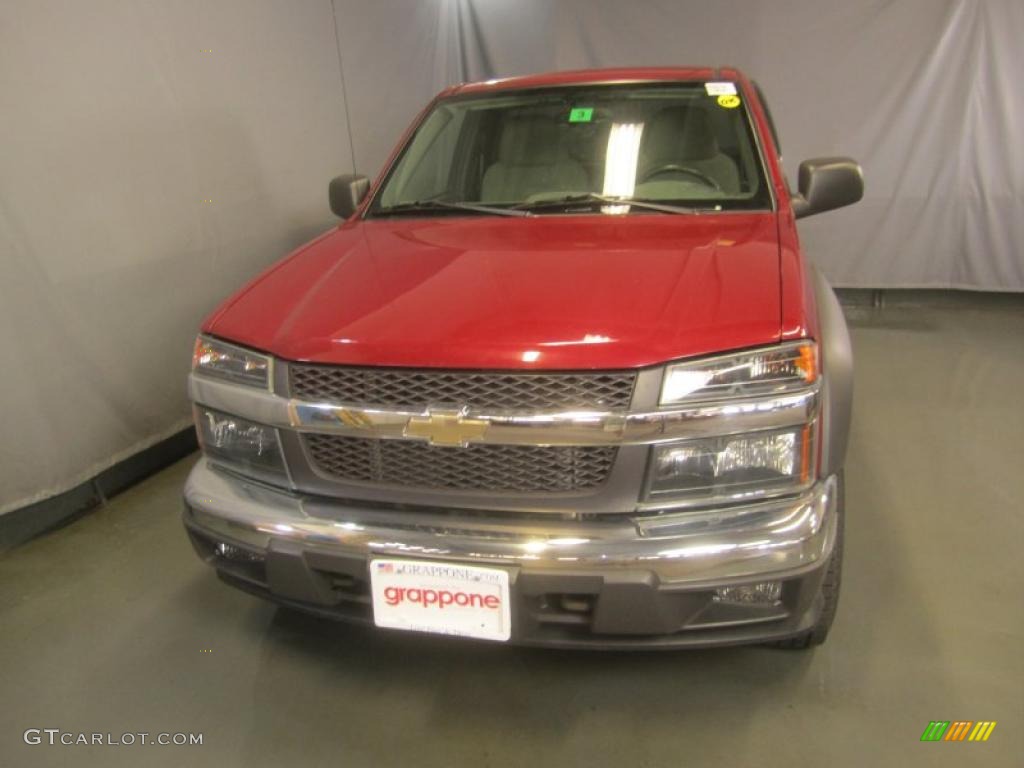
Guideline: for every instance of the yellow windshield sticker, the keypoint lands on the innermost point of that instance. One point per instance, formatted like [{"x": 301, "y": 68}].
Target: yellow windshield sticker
[{"x": 729, "y": 101}]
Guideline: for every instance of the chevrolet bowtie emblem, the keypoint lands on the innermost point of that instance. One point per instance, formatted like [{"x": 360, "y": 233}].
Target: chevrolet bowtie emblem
[{"x": 446, "y": 427}]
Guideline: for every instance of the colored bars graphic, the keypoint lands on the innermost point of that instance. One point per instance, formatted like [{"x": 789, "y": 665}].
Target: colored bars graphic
[{"x": 958, "y": 730}]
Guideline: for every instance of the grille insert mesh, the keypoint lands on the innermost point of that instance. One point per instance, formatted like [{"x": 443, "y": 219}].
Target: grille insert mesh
[
  {"x": 418, "y": 389},
  {"x": 477, "y": 467}
]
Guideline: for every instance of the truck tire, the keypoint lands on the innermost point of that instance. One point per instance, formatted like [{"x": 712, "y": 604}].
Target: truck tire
[{"x": 830, "y": 584}]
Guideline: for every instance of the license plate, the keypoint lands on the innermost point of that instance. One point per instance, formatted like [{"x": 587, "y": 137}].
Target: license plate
[{"x": 444, "y": 598}]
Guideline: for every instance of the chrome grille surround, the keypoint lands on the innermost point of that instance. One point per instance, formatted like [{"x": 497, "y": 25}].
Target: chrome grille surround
[
  {"x": 476, "y": 390},
  {"x": 480, "y": 467}
]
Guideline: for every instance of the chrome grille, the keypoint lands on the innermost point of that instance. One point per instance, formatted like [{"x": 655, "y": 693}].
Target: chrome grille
[
  {"x": 417, "y": 389},
  {"x": 477, "y": 467}
]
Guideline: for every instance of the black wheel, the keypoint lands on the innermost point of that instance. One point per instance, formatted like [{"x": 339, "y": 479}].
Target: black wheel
[{"x": 829, "y": 588}]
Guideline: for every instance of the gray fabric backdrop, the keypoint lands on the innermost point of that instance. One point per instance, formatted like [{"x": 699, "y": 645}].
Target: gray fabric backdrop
[
  {"x": 116, "y": 126},
  {"x": 156, "y": 154}
]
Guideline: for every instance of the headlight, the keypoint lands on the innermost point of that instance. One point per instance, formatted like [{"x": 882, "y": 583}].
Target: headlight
[
  {"x": 250, "y": 448},
  {"x": 734, "y": 467},
  {"x": 773, "y": 370},
  {"x": 226, "y": 361}
]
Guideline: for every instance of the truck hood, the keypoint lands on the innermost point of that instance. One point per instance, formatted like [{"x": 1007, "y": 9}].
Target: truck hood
[{"x": 546, "y": 292}]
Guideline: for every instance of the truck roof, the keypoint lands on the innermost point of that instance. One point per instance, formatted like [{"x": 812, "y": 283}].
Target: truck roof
[{"x": 594, "y": 76}]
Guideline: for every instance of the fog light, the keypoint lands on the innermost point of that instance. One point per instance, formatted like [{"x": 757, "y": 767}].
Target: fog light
[
  {"x": 239, "y": 555},
  {"x": 765, "y": 593}
]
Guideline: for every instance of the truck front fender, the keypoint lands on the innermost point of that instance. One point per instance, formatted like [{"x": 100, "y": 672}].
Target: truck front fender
[{"x": 836, "y": 353}]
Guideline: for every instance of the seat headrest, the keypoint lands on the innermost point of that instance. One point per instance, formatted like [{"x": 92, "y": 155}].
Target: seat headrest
[
  {"x": 677, "y": 135},
  {"x": 529, "y": 140}
]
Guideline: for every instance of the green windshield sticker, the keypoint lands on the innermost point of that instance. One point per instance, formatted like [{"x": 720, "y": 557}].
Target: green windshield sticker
[{"x": 581, "y": 115}]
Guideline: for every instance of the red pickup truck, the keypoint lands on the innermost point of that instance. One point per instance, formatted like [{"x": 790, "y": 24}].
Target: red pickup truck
[{"x": 563, "y": 376}]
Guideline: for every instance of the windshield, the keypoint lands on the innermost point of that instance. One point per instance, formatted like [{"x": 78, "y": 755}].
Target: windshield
[{"x": 681, "y": 144}]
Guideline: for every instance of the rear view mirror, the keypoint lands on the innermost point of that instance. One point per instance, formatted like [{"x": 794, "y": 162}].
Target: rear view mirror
[
  {"x": 346, "y": 192},
  {"x": 826, "y": 183}
]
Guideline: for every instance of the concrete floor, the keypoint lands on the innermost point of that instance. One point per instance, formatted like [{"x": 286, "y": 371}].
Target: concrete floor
[{"x": 103, "y": 624}]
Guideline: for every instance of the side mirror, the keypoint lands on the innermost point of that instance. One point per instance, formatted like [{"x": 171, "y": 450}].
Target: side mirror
[
  {"x": 346, "y": 192},
  {"x": 826, "y": 183}
]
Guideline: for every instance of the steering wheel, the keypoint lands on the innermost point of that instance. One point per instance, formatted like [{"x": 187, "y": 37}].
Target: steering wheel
[{"x": 675, "y": 168}]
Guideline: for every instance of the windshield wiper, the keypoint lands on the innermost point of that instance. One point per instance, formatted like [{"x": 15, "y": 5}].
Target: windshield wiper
[
  {"x": 593, "y": 197},
  {"x": 444, "y": 205}
]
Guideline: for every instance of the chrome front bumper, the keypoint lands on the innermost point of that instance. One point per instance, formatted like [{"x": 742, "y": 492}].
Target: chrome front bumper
[{"x": 647, "y": 580}]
